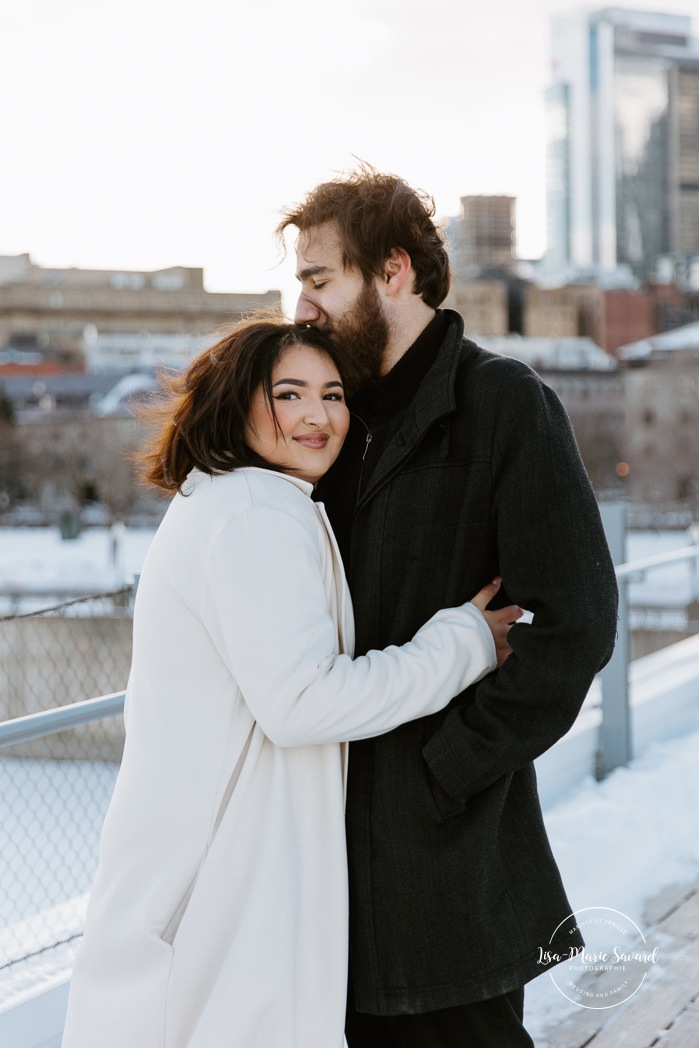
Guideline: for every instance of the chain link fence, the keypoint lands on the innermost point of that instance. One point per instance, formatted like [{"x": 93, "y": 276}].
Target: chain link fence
[{"x": 54, "y": 791}]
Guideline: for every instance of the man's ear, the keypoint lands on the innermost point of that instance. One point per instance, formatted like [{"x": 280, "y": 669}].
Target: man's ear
[{"x": 397, "y": 267}]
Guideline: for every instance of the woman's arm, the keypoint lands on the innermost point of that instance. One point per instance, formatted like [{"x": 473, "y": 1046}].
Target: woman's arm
[{"x": 270, "y": 610}]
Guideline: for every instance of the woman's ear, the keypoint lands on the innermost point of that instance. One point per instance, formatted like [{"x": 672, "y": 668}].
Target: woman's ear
[{"x": 397, "y": 267}]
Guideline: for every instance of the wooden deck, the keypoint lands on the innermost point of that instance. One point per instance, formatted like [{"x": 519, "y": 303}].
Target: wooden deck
[{"x": 665, "y": 1011}]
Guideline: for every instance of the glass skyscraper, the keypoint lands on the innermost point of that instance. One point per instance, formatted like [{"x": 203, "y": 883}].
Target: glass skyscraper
[{"x": 623, "y": 141}]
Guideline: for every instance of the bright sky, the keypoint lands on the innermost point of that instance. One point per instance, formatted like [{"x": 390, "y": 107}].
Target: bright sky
[{"x": 146, "y": 133}]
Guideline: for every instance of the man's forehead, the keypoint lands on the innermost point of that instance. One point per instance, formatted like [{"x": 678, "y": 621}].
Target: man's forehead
[{"x": 319, "y": 246}]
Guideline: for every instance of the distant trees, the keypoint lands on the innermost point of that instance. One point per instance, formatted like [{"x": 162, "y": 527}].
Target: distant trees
[
  {"x": 11, "y": 457},
  {"x": 60, "y": 465}
]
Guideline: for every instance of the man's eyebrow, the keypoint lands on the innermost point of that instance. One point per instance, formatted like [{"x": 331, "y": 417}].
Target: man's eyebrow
[
  {"x": 300, "y": 382},
  {"x": 312, "y": 271}
]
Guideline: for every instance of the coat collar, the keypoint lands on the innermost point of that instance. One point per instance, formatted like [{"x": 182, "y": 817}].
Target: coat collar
[
  {"x": 196, "y": 476},
  {"x": 304, "y": 485}
]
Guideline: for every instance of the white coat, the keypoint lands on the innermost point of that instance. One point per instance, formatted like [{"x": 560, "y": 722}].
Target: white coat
[{"x": 218, "y": 918}]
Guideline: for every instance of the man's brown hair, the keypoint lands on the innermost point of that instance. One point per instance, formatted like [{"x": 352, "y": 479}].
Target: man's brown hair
[{"x": 376, "y": 213}]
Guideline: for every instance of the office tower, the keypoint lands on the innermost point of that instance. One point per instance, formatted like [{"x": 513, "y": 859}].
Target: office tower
[{"x": 623, "y": 142}]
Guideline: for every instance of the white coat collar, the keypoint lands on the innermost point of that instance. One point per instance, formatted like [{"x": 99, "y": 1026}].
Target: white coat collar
[
  {"x": 196, "y": 476},
  {"x": 305, "y": 485}
]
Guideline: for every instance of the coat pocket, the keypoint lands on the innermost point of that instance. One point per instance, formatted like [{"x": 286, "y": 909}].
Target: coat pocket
[
  {"x": 168, "y": 935},
  {"x": 445, "y": 806},
  {"x": 170, "y": 931}
]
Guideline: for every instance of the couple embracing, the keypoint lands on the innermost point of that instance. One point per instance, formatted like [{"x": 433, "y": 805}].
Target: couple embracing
[{"x": 342, "y": 486}]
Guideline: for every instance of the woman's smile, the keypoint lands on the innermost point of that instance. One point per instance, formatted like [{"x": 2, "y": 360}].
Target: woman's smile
[{"x": 313, "y": 440}]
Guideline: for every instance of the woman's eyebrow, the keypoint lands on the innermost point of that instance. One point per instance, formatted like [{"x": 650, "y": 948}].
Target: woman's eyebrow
[{"x": 300, "y": 382}]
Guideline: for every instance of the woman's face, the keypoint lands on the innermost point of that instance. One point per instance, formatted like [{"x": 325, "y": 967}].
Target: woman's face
[{"x": 312, "y": 417}]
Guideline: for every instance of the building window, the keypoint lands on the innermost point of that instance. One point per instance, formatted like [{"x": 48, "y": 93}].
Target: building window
[
  {"x": 167, "y": 282},
  {"x": 127, "y": 281}
]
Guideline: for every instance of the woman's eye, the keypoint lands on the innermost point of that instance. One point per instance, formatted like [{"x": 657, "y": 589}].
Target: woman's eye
[
  {"x": 334, "y": 396},
  {"x": 289, "y": 395}
]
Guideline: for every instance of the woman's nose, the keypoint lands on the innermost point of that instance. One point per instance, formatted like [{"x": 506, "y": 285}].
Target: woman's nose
[{"x": 316, "y": 413}]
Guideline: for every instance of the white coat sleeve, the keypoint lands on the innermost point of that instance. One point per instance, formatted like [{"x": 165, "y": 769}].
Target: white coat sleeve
[{"x": 280, "y": 642}]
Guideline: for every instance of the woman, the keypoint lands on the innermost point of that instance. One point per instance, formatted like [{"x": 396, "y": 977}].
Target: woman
[{"x": 219, "y": 913}]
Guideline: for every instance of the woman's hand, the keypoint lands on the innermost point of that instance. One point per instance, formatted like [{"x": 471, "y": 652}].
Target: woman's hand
[{"x": 499, "y": 621}]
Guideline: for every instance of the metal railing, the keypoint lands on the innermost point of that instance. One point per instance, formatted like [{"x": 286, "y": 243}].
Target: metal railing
[
  {"x": 615, "y": 739},
  {"x": 615, "y": 730},
  {"x": 63, "y": 718}
]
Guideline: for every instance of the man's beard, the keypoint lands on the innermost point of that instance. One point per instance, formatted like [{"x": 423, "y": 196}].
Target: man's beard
[{"x": 363, "y": 332}]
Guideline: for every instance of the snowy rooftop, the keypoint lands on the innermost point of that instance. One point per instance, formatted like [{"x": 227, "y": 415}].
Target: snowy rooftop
[
  {"x": 553, "y": 354},
  {"x": 660, "y": 346}
]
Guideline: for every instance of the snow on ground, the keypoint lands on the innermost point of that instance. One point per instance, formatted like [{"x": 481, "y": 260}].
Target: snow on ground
[
  {"x": 103, "y": 557},
  {"x": 99, "y": 559},
  {"x": 619, "y": 842}
]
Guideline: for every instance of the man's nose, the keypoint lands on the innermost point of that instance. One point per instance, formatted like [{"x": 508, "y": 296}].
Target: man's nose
[{"x": 307, "y": 312}]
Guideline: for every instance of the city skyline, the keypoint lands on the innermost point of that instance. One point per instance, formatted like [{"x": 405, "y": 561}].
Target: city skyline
[
  {"x": 139, "y": 136},
  {"x": 624, "y": 143}
]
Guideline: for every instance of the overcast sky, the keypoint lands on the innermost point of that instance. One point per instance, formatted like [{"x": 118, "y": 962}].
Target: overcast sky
[{"x": 147, "y": 133}]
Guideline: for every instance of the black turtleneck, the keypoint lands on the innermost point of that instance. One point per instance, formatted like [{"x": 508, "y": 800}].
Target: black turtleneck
[
  {"x": 381, "y": 405},
  {"x": 382, "y": 402}
]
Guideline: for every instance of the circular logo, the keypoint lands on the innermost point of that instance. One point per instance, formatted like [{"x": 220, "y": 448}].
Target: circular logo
[{"x": 609, "y": 968}]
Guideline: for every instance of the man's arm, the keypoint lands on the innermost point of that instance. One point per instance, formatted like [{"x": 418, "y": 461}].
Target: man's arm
[{"x": 554, "y": 562}]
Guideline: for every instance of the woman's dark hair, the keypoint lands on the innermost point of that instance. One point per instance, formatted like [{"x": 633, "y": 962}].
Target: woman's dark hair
[
  {"x": 200, "y": 419},
  {"x": 376, "y": 213}
]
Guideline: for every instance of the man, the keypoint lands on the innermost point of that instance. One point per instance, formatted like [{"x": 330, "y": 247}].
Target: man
[{"x": 460, "y": 465}]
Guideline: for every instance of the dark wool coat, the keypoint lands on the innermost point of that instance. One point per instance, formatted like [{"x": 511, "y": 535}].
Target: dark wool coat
[{"x": 453, "y": 885}]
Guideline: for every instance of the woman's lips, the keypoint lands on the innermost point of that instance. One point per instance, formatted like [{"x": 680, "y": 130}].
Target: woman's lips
[{"x": 313, "y": 440}]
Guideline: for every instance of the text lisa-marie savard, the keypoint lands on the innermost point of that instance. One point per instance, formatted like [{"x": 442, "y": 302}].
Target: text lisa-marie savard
[{"x": 579, "y": 953}]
